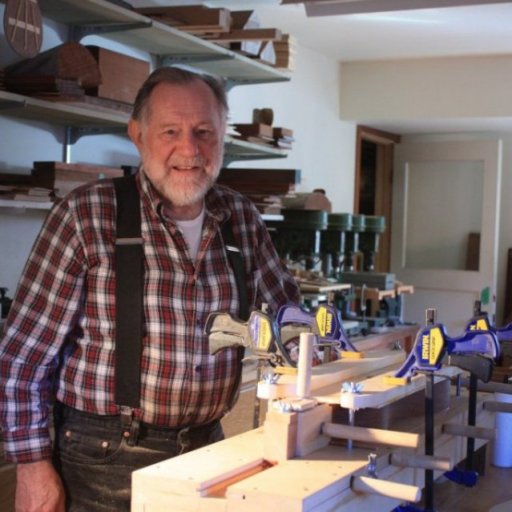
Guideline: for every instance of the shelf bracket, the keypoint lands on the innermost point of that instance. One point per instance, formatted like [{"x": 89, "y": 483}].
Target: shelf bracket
[
  {"x": 78, "y": 32},
  {"x": 229, "y": 158},
  {"x": 232, "y": 82},
  {"x": 170, "y": 60},
  {"x": 73, "y": 133}
]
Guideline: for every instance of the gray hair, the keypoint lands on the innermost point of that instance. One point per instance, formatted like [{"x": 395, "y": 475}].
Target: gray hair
[{"x": 176, "y": 76}]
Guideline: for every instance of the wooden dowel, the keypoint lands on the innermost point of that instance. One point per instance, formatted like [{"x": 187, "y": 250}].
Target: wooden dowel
[
  {"x": 371, "y": 435},
  {"x": 490, "y": 387},
  {"x": 306, "y": 342},
  {"x": 494, "y": 406},
  {"x": 403, "y": 492},
  {"x": 421, "y": 461},
  {"x": 469, "y": 431}
]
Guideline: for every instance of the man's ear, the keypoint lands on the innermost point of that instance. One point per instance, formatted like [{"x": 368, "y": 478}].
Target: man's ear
[{"x": 135, "y": 133}]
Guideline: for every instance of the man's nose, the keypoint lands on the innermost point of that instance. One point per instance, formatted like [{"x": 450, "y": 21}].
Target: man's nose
[{"x": 189, "y": 144}]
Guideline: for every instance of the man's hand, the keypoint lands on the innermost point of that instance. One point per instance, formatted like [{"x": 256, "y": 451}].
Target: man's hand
[{"x": 39, "y": 487}]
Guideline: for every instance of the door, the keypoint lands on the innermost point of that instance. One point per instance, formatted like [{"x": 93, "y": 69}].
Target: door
[
  {"x": 445, "y": 227},
  {"x": 373, "y": 181}
]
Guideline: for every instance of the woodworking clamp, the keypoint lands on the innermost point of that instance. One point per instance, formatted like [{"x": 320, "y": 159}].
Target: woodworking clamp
[
  {"x": 259, "y": 334},
  {"x": 325, "y": 322},
  {"x": 474, "y": 351},
  {"x": 480, "y": 321}
]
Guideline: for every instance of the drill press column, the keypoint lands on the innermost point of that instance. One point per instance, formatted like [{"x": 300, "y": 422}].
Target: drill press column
[
  {"x": 369, "y": 240},
  {"x": 332, "y": 243},
  {"x": 352, "y": 242},
  {"x": 297, "y": 236}
]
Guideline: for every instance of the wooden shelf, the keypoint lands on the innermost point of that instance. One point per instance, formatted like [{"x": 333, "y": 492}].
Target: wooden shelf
[
  {"x": 13, "y": 204},
  {"x": 236, "y": 149},
  {"x": 105, "y": 120},
  {"x": 60, "y": 112},
  {"x": 169, "y": 44}
]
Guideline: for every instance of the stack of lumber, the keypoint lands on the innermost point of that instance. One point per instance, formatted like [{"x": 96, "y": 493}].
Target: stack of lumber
[
  {"x": 73, "y": 72},
  {"x": 62, "y": 178},
  {"x": 257, "y": 133},
  {"x": 285, "y": 50},
  {"x": 265, "y": 134},
  {"x": 24, "y": 193},
  {"x": 264, "y": 187},
  {"x": 239, "y": 31},
  {"x": 261, "y": 130},
  {"x": 283, "y": 137},
  {"x": 44, "y": 86},
  {"x": 20, "y": 187}
]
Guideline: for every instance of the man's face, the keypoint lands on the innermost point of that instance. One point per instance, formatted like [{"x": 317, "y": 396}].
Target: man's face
[{"x": 180, "y": 140}]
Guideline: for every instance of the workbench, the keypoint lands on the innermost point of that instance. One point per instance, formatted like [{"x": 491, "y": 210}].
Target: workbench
[
  {"x": 301, "y": 461},
  {"x": 235, "y": 476}
]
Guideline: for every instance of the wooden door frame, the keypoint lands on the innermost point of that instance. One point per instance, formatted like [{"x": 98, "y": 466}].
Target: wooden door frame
[{"x": 385, "y": 142}]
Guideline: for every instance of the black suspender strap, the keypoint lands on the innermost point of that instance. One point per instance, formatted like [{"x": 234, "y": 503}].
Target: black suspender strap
[
  {"x": 129, "y": 268},
  {"x": 237, "y": 264}
]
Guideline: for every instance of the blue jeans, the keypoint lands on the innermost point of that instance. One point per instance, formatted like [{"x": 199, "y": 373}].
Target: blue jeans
[{"x": 95, "y": 460}]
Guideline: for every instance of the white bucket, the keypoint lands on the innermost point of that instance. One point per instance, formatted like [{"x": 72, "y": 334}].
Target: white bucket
[{"x": 502, "y": 453}]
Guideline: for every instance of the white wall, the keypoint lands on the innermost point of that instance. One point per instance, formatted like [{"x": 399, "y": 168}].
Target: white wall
[
  {"x": 309, "y": 104},
  {"x": 324, "y": 150},
  {"x": 466, "y": 87}
]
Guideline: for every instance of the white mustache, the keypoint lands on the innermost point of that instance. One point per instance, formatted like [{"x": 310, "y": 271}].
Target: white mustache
[{"x": 195, "y": 162}]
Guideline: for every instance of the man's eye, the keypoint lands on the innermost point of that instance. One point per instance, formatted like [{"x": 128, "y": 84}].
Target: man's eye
[{"x": 204, "y": 133}]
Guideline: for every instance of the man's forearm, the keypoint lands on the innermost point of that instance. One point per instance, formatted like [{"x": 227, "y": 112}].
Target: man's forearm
[{"x": 38, "y": 488}]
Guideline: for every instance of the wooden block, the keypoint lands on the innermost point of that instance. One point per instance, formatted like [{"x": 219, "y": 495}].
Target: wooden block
[
  {"x": 309, "y": 429},
  {"x": 121, "y": 75},
  {"x": 280, "y": 435},
  {"x": 254, "y": 129}
]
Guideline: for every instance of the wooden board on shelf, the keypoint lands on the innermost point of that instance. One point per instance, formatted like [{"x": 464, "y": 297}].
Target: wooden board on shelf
[
  {"x": 260, "y": 181},
  {"x": 195, "y": 19},
  {"x": 121, "y": 75}
]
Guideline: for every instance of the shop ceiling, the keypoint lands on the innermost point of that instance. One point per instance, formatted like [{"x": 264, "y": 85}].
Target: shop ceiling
[{"x": 471, "y": 27}]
